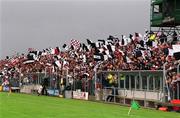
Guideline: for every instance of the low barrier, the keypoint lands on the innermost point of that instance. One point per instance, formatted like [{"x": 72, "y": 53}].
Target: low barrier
[
  {"x": 117, "y": 95},
  {"x": 80, "y": 95},
  {"x": 29, "y": 88}
]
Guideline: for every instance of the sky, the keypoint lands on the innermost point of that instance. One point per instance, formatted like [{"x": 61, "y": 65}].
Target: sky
[{"x": 41, "y": 24}]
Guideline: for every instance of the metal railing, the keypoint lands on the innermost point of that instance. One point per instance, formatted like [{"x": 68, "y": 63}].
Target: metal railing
[
  {"x": 123, "y": 96},
  {"x": 144, "y": 85}
]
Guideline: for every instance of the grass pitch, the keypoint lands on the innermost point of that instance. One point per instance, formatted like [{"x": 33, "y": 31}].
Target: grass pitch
[{"x": 32, "y": 106}]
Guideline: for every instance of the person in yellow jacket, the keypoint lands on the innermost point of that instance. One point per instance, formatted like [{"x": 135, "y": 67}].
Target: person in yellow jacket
[
  {"x": 0, "y": 88},
  {"x": 10, "y": 89},
  {"x": 152, "y": 37}
]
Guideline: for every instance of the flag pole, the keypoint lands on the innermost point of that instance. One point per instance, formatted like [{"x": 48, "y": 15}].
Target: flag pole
[
  {"x": 129, "y": 111},
  {"x": 133, "y": 101}
]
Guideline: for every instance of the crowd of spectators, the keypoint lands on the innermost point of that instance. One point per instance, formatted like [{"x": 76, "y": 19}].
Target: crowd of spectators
[{"x": 136, "y": 52}]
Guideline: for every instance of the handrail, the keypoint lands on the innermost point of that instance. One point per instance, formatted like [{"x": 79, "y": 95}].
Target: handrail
[
  {"x": 133, "y": 71},
  {"x": 130, "y": 94},
  {"x": 164, "y": 77},
  {"x": 178, "y": 68},
  {"x": 95, "y": 70}
]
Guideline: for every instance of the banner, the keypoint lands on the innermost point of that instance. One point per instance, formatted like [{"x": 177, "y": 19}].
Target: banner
[
  {"x": 5, "y": 88},
  {"x": 53, "y": 92},
  {"x": 1, "y": 88},
  {"x": 80, "y": 95}
]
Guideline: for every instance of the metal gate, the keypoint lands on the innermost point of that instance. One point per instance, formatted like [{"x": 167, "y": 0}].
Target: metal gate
[{"x": 142, "y": 85}]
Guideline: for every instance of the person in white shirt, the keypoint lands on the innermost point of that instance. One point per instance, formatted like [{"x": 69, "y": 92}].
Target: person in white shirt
[{"x": 40, "y": 90}]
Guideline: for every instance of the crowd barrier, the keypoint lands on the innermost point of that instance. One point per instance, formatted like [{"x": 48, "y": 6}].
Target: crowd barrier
[{"x": 148, "y": 87}]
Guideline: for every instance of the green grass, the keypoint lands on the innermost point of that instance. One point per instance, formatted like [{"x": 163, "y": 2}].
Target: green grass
[{"x": 32, "y": 106}]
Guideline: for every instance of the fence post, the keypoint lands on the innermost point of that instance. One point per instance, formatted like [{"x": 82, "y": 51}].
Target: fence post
[
  {"x": 164, "y": 83},
  {"x": 178, "y": 68},
  {"x": 178, "y": 92},
  {"x": 135, "y": 82},
  {"x": 147, "y": 82},
  {"x": 20, "y": 78},
  {"x": 145, "y": 98},
  {"x": 67, "y": 71},
  {"x": 125, "y": 90},
  {"x": 114, "y": 89},
  {"x": 124, "y": 100},
  {"x": 178, "y": 85},
  {"x": 38, "y": 78},
  {"x": 74, "y": 80},
  {"x": 105, "y": 94},
  {"x": 154, "y": 84},
  {"x": 158, "y": 95},
  {"x": 140, "y": 81},
  {"x": 119, "y": 84},
  {"x": 130, "y": 87},
  {"x": 56, "y": 77},
  {"x": 45, "y": 71},
  {"x": 95, "y": 75}
]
